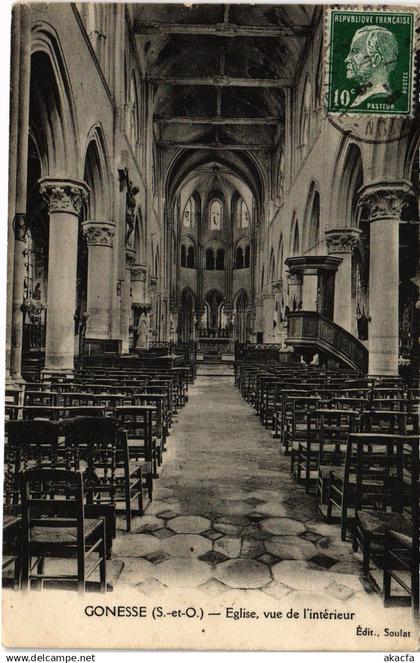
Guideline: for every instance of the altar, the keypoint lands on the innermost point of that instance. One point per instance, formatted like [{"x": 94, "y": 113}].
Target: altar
[{"x": 215, "y": 346}]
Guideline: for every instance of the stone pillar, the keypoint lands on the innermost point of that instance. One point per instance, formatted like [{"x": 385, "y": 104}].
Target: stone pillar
[
  {"x": 385, "y": 201},
  {"x": 295, "y": 291},
  {"x": 18, "y": 175},
  {"x": 19, "y": 272},
  {"x": 126, "y": 300},
  {"x": 342, "y": 242},
  {"x": 99, "y": 237},
  {"x": 65, "y": 199}
]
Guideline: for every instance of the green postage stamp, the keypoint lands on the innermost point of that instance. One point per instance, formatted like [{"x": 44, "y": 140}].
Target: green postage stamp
[{"x": 370, "y": 61}]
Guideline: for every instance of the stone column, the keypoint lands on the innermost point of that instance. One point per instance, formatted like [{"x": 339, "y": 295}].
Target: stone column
[
  {"x": 130, "y": 256},
  {"x": 65, "y": 199},
  {"x": 342, "y": 242},
  {"x": 295, "y": 291},
  {"x": 18, "y": 175},
  {"x": 385, "y": 201},
  {"x": 99, "y": 237},
  {"x": 19, "y": 272}
]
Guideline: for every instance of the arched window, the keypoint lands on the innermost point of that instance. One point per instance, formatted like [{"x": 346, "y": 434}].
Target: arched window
[
  {"x": 220, "y": 259},
  {"x": 272, "y": 272},
  {"x": 209, "y": 259},
  {"x": 216, "y": 215},
  {"x": 247, "y": 256},
  {"x": 183, "y": 256},
  {"x": 190, "y": 257},
  {"x": 239, "y": 258},
  {"x": 244, "y": 215},
  {"x": 295, "y": 248},
  {"x": 189, "y": 214},
  {"x": 186, "y": 217},
  {"x": 305, "y": 115},
  {"x": 314, "y": 222}
]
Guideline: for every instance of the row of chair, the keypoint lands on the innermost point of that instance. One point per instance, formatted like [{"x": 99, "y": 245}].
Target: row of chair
[
  {"x": 77, "y": 453},
  {"x": 353, "y": 443}
]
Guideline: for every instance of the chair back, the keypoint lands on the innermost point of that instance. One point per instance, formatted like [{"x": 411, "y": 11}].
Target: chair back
[{"x": 43, "y": 504}]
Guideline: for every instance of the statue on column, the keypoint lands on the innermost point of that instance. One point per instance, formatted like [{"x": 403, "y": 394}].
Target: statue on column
[
  {"x": 130, "y": 203},
  {"x": 33, "y": 308}
]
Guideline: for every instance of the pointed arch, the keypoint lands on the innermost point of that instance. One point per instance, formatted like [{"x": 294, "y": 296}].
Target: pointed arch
[
  {"x": 272, "y": 267},
  {"x": 311, "y": 227},
  {"x": 51, "y": 95},
  {"x": 215, "y": 214},
  {"x": 96, "y": 174},
  {"x": 294, "y": 247},
  {"x": 347, "y": 180},
  {"x": 240, "y": 306},
  {"x": 305, "y": 115}
]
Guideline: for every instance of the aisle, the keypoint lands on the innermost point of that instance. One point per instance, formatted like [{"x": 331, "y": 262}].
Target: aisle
[{"x": 226, "y": 514}]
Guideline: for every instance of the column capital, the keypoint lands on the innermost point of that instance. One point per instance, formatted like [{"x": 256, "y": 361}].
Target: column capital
[
  {"x": 99, "y": 233},
  {"x": 385, "y": 200},
  {"x": 342, "y": 240},
  {"x": 138, "y": 273},
  {"x": 64, "y": 195}
]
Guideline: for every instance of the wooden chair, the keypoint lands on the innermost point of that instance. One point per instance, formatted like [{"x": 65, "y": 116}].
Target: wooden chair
[
  {"x": 402, "y": 556},
  {"x": 159, "y": 418},
  {"x": 334, "y": 428},
  {"x": 373, "y": 463},
  {"x": 12, "y": 548},
  {"x": 108, "y": 476},
  {"x": 56, "y": 527},
  {"x": 40, "y": 397},
  {"x": 137, "y": 421},
  {"x": 391, "y": 512},
  {"x": 28, "y": 444},
  {"x": 296, "y": 426}
]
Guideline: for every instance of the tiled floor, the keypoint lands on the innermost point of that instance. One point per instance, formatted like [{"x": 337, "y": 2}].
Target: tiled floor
[{"x": 227, "y": 516}]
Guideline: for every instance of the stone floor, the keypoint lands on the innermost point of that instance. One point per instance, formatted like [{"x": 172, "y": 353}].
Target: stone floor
[{"x": 227, "y": 516}]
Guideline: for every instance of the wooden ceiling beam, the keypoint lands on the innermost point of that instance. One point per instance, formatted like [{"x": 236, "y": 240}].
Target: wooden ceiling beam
[
  {"x": 220, "y": 81},
  {"x": 221, "y": 147},
  {"x": 218, "y": 120},
  {"x": 220, "y": 29}
]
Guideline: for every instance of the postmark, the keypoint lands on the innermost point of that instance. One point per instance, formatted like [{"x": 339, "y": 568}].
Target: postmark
[{"x": 370, "y": 62}]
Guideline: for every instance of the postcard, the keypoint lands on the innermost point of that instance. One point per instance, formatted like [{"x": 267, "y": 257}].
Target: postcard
[{"x": 212, "y": 322}]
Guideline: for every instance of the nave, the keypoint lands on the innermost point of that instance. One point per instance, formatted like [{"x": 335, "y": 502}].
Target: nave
[{"x": 227, "y": 515}]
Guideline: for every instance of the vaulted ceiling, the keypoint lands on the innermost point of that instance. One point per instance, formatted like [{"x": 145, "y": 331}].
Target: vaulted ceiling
[{"x": 220, "y": 71}]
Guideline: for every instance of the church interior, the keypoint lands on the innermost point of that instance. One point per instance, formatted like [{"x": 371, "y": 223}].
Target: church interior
[{"x": 212, "y": 366}]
